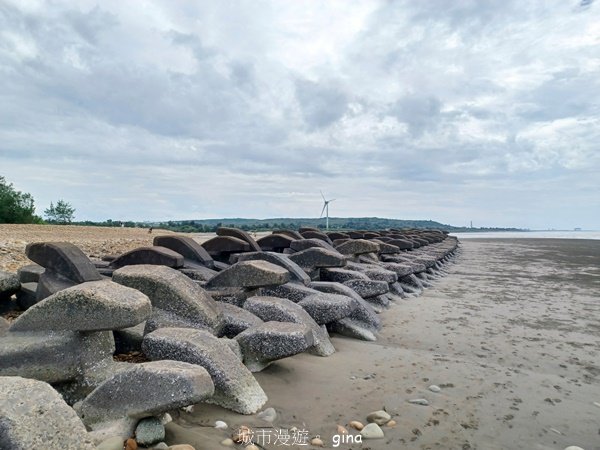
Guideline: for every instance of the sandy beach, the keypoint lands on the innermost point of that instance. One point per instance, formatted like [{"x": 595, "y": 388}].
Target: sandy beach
[{"x": 511, "y": 335}]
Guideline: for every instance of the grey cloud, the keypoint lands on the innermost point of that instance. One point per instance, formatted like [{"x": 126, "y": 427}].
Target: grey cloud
[{"x": 321, "y": 105}]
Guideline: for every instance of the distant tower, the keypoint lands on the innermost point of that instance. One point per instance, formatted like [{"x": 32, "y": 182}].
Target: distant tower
[{"x": 471, "y": 224}]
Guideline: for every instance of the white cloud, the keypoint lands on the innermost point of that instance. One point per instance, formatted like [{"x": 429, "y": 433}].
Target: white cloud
[{"x": 397, "y": 108}]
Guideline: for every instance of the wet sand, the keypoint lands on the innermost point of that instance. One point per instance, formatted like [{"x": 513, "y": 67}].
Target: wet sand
[{"x": 511, "y": 334}]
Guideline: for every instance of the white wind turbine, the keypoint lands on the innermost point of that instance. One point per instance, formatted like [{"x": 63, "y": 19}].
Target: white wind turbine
[{"x": 326, "y": 210}]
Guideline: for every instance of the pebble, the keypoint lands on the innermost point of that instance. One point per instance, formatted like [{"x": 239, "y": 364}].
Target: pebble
[
  {"x": 597, "y": 404},
  {"x": 434, "y": 388},
  {"x": 242, "y": 434},
  {"x": 166, "y": 418},
  {"x": 316, "y": 442},
  {"x": 149, "y": 431},
  {"x": 379, "y": 417},
  {"x": 573, "y": 447},
  {"x": 220, "y": 425},
  {"x": 181, "y": 447},
  {"x": 268, "y": 415},
  {"x": 554, "y": 430},
  {"x": 391, "y": 423},
  {"x": 252, "y": 447},
  {"x": 341, "y": 430},
  {"x": 372, "y": 431},
  {"x": 131, "y": 444},
  {"x": 227, "y": 442},
  {"x": 356, "y": 425},
  {"x": 188, "y": 409},
  {"x": 161, "y": 446},
  {"x": 419, "y": 401}
]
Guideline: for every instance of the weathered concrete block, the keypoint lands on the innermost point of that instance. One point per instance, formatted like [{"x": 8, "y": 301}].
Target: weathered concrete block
[
  {"x": 186, "y": 247},
  {"x": 50, "y": 283},
  {"x": 221, "y": 247},
  {"x": 357, "y": 247},
  {"x": 240, "y": 234},
  {"x": 333, "y": 235},
  {"x": 270, "y": 341},
  {"x": 292, "y": 291},
  {"x": 236, "y": 319},
  {"x": 27, "y": 295},
  {"x": 30, "y": 273},
  {"x": 368, "y": 288},
  {"x": 9, "y": 284},
  {"x": 385, "y": 247},
  {"x": 160, "y": 256},
  {"x": 342, "y": 275},
  {"x": 197, "y": 272},
  {"x": 311, "y": 234},
  {"x": 325, "y": 308},
  {"x": 54, "y": 357},
  {"x": 173, "y": 292},
  {"x": 303, "y": 244},
  {"x": 63, "y": 258},
  {"x": 235, "y": 387},
  {"x": 143, "y": 390},
  {"x": 34, "y": 416},
  {"x": 363, "y": 315},
  {"x": 400, "y": 269},
  {"x": 352, "y": 328},
  {"x": 90, "y": 306},
  {"x": 275, "y": 242},
  {"x": 250, "y": 274},
  {"x": 317, "y": 257},
  {"x": 296, "y": 272},
  {"x": 291, "y": 233},
  {"x": 283, "y": 310}
]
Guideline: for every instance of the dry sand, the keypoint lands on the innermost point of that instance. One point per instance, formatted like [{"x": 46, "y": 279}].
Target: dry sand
[{"x": 512, "y": 336}]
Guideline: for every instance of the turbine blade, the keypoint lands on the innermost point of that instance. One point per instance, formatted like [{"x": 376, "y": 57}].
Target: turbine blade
[
  {"x": 322, "y": 196},
  {"x": 323, "y": 210},
  {"x": 333, "y": 199}
]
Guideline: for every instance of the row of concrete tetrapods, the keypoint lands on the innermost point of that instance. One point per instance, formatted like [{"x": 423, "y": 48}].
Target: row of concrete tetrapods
[{"x": 204, "y": 316}]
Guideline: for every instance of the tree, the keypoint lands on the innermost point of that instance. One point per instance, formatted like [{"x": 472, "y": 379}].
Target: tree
[
  {"x": 62, "y": 213},
  {"x": 16, "y": 206}
]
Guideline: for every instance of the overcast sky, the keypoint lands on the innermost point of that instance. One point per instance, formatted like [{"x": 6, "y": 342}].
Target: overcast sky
[{"x": 446, "y": 110}]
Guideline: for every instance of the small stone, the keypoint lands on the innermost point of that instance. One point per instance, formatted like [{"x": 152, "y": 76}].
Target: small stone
[
  {"x": 181, "y": 447},
  {"x": 220, "y": 425},
  {"x": 419, "y": 401},
  {"x": 316, "y": 442},
  {"x": 161, "y": 446},
  {"x": 356, "y": 425},
  {"x": 252, "y": 447},
  {"x": 242, "y": 434},
  {"x": 227, "y": 442},
  {"x": 268, "y": 415},
  {"x": 149, "y": 431},
  {"x": 597, "y": 404},
  {"x": 131, "y": 444},
  {"x": 372, "y": 431},
  {"x": 391, "y": 423},
  {"x": 166, "y": 418},
  {"x": 379, "y": 417},
  {"x": 434, "y": 388},
  {"x": 341, "y": 430},
  {"x": 573, "y": 447}
]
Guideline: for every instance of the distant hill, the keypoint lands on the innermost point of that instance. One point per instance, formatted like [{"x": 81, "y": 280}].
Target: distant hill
[{"x": 335, "y": 223}]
